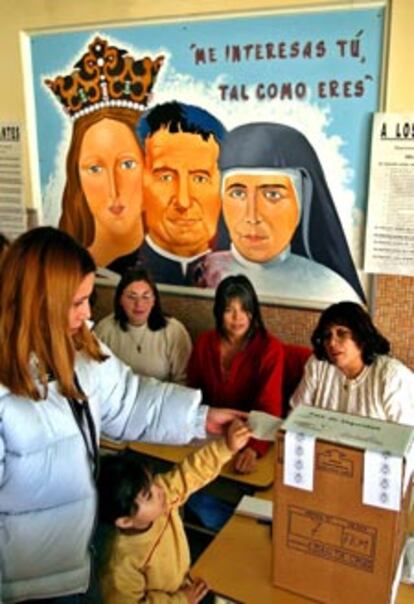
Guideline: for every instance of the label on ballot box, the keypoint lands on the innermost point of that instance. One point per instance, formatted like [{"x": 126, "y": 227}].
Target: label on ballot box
[
  {"x": 342, "y": 538},
  {"x": 299, "y": 460}
]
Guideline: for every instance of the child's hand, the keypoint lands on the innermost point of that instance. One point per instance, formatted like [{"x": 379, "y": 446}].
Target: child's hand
[
  {"x": 196, "y": 591},
  {"x": 245, "y": 461},
  {"x": 238, "y": 435}
]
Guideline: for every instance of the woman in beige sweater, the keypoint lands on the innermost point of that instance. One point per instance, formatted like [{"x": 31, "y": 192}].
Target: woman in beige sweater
[{"x": 141, "y": 335}]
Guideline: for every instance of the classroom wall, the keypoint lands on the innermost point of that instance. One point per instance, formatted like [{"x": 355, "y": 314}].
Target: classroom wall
[{"x": 393, "y": 296}]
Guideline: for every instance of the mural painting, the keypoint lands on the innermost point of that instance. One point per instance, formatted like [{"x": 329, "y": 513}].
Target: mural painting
[{"x": 204, "y": 148}]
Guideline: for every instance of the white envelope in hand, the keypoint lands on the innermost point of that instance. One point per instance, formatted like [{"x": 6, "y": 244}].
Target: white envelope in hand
[{"x": 263, "y": 425}]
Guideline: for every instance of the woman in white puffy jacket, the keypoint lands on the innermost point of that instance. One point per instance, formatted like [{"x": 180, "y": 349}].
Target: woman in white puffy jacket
[{"x": 59, "y": 389}]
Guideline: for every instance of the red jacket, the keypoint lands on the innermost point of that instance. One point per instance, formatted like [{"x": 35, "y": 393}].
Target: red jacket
[{"x": 254, "y": 380}]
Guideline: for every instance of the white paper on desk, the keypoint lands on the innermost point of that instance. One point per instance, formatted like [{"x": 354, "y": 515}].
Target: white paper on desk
[
  {"x": 263, "y": 425},
  {"x": 255, "y": 507}
]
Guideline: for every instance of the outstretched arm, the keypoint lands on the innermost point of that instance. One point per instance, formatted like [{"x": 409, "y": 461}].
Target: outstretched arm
[
  {"x": 204, "y": 464},
  {"x": 219, "y": 419},
  {"x": 132, "y": 407}
]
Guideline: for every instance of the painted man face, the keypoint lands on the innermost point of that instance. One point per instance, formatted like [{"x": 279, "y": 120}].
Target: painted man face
[
  {"x": 181, "y": 191},
  {"x": 261, "y": 211}
]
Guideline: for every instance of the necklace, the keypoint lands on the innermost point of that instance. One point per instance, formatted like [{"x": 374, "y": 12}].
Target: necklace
[{"x": 137, "y": 335}]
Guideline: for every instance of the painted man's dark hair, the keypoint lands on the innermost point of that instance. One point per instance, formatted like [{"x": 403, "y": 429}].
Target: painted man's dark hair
[
  {"x": 180, "y": 117},
  {"x": 350, "y": 314}
]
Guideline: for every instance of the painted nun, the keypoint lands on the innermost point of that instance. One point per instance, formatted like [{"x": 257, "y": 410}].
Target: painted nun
[{"x": 285, "y": 230}]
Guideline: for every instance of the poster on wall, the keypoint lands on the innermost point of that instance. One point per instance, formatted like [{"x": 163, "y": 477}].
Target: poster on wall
[
  {"x": 213, "y": 146},
  {"x": 389, "y": 240},
  {"x": 12, "y": 210}
]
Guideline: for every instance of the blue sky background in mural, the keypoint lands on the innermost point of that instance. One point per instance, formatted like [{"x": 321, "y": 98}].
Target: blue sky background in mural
[{"x": 316, "y": 71}]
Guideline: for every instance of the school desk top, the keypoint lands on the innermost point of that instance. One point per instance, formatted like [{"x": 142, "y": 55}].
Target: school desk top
[
  {"x": 262, "y": 477},
  {"x": 237, "y": 565}
]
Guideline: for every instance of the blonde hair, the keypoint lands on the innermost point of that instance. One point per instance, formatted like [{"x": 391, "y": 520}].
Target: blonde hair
[
  {"x": 76, "y": 218},
  {"x": 39, "y": 276}
]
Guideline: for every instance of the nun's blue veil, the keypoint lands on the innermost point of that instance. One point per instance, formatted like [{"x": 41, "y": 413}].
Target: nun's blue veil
[{"x": 320, "y": 235}]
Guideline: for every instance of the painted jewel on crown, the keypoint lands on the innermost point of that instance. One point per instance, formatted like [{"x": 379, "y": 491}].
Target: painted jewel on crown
[{"x": 106, "y": 76}]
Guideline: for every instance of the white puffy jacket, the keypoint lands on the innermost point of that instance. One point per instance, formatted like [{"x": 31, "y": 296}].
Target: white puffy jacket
[{"x": 47, "y": 492}]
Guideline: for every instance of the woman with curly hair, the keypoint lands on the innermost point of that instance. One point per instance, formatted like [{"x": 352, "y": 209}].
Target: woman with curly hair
[{"x": 351, "y": 369}]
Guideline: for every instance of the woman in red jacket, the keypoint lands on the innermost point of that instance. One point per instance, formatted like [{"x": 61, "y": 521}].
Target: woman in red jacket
[{"x": 239, "y": 364}]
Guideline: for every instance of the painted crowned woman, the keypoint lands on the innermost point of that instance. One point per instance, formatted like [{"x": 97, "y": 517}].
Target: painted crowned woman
[{"x": 102, "y": 199}]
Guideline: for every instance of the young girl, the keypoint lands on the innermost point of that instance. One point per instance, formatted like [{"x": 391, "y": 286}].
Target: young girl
[
  {"x": 239, "y": 363},
  {"x": 149, "y": 557}
]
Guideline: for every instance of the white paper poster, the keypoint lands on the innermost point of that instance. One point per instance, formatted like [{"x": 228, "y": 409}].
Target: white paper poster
[
  {"x": 12, "y": 210},
  {"x": 389, "y": 242}
]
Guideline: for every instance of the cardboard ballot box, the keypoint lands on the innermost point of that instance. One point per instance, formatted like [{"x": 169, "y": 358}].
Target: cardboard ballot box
[{"x": 342, "y": 496}]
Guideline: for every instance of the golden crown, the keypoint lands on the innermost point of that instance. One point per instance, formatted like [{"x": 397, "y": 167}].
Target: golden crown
[{"x": 106, "y": 76}]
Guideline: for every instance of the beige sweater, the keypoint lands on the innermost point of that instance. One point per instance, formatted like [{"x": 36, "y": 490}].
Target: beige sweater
[
  {"x": 152, "y": 567},
  {"x": 162, "y": 354}
]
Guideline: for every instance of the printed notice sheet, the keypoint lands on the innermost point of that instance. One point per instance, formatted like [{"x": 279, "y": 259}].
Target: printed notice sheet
[
  {"x": 389, "y": 242},
  {"x": 12, "y": 210}
]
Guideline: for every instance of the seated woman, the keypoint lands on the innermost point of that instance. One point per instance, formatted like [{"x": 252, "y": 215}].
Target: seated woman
[
  {"x": 351, "y": 370},
  {"x": 139, "y": 333},
  {"x": 239, "y": 364}
]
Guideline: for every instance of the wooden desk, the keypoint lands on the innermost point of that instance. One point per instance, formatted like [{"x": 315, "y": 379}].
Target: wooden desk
[
  {"x": 107, "y": 444},
  {"x": 261, "y": 478},
  {"x": 237, "y": 565}
]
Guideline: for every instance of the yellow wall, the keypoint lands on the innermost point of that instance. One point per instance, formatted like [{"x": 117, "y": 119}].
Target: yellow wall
[{"x": 394, "y": 299}]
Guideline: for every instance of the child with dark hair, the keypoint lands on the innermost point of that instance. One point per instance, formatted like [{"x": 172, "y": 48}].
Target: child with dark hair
[{"x": 148, "y": 559}]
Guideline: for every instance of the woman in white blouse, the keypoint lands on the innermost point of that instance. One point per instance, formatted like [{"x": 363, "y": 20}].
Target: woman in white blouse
[
  {"x": 141, "y": 335},
  {"x": 351, "y": 370}
]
